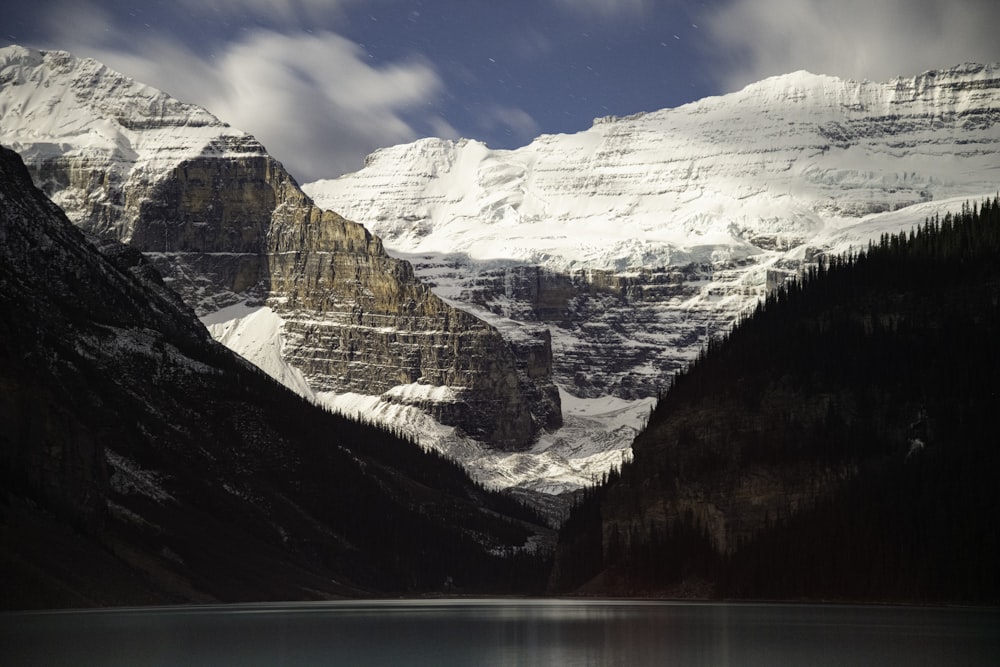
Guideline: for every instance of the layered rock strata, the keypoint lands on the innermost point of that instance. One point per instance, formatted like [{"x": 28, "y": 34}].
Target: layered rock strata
[
  {"x": 637, "y": 239},
  {"x": 617, "y": 333}
]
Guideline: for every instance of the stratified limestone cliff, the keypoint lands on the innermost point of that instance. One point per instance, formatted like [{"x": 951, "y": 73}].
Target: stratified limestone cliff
[
  {"x": 225, "y": 223},
  {"x": 358, "y": 320}
]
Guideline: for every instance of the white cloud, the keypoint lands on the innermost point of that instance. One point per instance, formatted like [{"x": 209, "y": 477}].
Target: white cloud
[
  {"x": 317, "y": 98},
  {"x": 313, "y": 100},
  {"x": 442, "y": 128},
  {"x": 877, "y": 40},
  {"x": 530, "y": 44}
]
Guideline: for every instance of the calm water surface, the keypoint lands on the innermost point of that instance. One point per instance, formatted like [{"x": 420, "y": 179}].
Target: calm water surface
[{"x": 504, "y": 632}]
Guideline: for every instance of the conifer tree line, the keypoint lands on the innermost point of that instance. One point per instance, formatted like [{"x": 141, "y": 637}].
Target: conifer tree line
[
  {"x": 874, "y": 378},
  {"x": 412, "y": 544}
]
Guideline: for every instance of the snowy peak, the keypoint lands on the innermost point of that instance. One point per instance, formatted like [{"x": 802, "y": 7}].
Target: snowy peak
[
  {"x": 53, "y": 95},
  {"x": 226, "y": 224},
  {"x": 640, "y": 237},
  {"x": 784, "y": 156},
  {"x": 120, "y": 135},
  {"x": 92, "y": 84},
  {"x": 943, "y": 89}
]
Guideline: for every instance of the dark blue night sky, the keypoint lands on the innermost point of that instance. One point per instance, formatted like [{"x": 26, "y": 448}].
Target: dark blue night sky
[{"x": 322, "y": 83}]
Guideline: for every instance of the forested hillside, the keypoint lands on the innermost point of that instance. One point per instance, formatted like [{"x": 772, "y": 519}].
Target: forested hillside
[
  {"x": 840, "y": 443},
  {"x": 142, "y": 462}
]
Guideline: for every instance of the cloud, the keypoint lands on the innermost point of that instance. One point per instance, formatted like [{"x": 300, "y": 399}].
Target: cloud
[
  {"x": 313, "y": 100},
  {"x": 753, "y": 39},
  {"x": 317, "y": 98},
  {"x": 275, "y": 13},
  {"x": 530, "y": 44},
  {"x": 439, "y": 127}
]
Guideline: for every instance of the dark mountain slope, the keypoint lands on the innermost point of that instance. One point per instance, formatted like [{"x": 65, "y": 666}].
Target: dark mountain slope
[
  {"x": 839, "y": 443},
  {"x": 167, "y": 468}
]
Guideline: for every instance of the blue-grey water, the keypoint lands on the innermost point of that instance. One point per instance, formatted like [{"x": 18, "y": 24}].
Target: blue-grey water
[{"x": 504, "y": 632}]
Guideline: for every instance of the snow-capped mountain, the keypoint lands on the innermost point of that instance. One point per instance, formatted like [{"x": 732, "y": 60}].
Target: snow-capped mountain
[
  {"x": 122, "y": 135},
  {"x": 605, "y": 258},
  {"x": 227, "y": 225},
  {"x": 722, "y": 178},
  {"x": 634, "y": 240}
]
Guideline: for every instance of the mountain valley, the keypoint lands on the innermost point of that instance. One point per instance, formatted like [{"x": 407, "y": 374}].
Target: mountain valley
[
  {"x": 143, "y": 462},
  {"x": 709, "y": 329},
  {"x": 518, "y": 311}
]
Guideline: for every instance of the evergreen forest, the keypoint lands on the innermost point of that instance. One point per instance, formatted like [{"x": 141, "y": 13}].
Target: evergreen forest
[{"x": 840, "y": 443}]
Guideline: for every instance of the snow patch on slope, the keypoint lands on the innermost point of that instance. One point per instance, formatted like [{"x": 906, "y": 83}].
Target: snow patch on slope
[
  {"x": 597, "y": 436},
  {"x": 870, "y": 228},
  {"x": 597, "y": 433},
  {"x": 254, "y": 332}
]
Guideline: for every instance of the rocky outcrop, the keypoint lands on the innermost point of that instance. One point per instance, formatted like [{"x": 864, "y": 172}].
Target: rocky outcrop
[
  {"x": 225, "y": 223},
  {"x": 358, "y": 320},
  {"x": 618, "y": 333}
]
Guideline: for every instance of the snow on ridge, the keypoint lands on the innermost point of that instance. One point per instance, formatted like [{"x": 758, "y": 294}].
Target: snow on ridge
[
  {"x": 597, "y": 436},
  {"x": 788, "y": 155},
  {"x": 53, "y": 103},
  {"x": 127, "y": 477},
  {"x": 746, "y": 185},
  {"x": 870, "y": 228},
  {"x": 415, "y": 391},
  {"x": 254, "y": 332}
]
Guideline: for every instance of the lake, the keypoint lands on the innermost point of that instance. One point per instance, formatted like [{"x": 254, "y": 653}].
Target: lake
[{"x": 504, "y": 632}]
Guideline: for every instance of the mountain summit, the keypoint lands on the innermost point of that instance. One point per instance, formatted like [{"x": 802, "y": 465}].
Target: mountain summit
[{"x": 647, "y": 230}]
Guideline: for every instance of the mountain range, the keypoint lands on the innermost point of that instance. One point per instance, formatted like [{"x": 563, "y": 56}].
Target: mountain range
[
  {"x": 636, "y": 242},
  {"x": 519, "y": 310}
]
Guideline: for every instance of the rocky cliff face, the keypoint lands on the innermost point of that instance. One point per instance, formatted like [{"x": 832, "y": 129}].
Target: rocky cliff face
[
  {"x": 358, "y": 320},
  {"x": 225, "y": 224},
  {"x": 182, "y": 471},
  {"x": 613, "y": 332}
]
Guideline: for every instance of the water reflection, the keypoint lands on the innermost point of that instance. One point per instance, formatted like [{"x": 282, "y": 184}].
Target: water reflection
[{"x": 504, "y": 632}]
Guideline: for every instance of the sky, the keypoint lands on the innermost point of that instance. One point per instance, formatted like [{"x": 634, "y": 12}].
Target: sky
[{"x": 323, "y": 83}]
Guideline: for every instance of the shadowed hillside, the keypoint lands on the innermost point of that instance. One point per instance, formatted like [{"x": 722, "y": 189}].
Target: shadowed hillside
[
  {"x": 142, "y": 462},
  {"x": 840, "y": 443}
]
